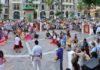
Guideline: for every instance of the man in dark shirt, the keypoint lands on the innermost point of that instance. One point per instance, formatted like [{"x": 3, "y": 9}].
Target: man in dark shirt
[
  {"x": 86, "y": 46},
  {"x": 59, "y": 54}
]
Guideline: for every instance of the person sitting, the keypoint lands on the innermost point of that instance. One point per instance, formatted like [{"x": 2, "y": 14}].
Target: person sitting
[
  {"x": 48, "y": 35},
  {"x": 36, "y": 35}
]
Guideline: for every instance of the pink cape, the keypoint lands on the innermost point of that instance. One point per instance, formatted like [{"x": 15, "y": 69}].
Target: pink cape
[
  {"x": 28, "y": 37},
  {"x": 2, "y": 41}
]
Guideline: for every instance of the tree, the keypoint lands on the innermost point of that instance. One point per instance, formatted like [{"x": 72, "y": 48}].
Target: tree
[
  {"x": 97, "y": 2},
  {"x": 80, "y": 6},
  {"x": 58, "y": 13},
  {"x": 91, "y": 3},
  {"x": 49, "y": 2},
  {"x": 1, "y": 8}
]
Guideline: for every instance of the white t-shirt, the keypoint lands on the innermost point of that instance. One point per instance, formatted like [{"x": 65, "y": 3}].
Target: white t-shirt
[
  {"x": 37, "y": 50},
  {"x": 17, "y": 39}
]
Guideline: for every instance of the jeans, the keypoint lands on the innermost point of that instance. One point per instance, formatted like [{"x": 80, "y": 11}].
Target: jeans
[{"x": 61, "y": 64}]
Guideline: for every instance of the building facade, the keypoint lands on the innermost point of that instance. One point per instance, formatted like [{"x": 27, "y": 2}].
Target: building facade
[
  {"x": 6, "y": 9},
  {"x": 41, "y": 9},
  {"x": 16, "y": 9},
  {"x": 68, "y": 7}
]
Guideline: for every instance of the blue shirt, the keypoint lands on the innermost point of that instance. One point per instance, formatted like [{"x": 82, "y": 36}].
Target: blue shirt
[
  {"x": 59, "y": 53},
  {"x": 94, "y": 49},
  {"x": 64, "y": 38}
]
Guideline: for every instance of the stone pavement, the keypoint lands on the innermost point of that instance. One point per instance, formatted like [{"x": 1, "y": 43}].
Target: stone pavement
[{"x": 22, "y": 61}]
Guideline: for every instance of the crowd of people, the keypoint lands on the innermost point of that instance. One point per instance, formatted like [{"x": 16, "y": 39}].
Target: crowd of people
[{"x": 64, "y": 42}]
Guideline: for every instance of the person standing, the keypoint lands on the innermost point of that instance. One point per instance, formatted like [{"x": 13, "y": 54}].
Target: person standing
[
  {"x": 93, "y": 50},
  {"x": 64, "y": 40},
  {"x": 75, "y": 42},
  {"x": 69, "y": 42},
  {"x": 18, "y": 44},
  {"x": 83, "y": 57},
  {"x": 37, "y": 55},
  {"x": 98, "y": 46},
  {"x": 94, "y": 29},
  {"x": 2, "y": 60},
  {"x": 59, "y": 55}
]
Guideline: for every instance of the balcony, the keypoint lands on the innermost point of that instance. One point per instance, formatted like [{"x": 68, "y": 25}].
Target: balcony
[
  {"x": 36, "y": 2},
  {"x": 17, "y": 1},
  {"x": 66, "y": 3}
]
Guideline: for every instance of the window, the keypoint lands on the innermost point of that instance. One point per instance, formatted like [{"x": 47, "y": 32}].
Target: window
[
  {"x": 51, "y": 13},
  {"x": 66, "y": 6},
  {"x": 35, "y": 6},
  {"x": 42, "y": 7},
  {"x": 62, "y": 7},
  {"x": 66, "y": 0},
  {"x": 6, "y": 11},
  {"x": 52, "y": 7},
  {"x": 43, "y": 1},
  {"x": 16, "y": 7},
  {"x": 16, "y": 15}
]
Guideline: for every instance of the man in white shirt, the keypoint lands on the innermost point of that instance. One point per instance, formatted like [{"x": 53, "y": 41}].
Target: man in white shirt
[
  {"x": 17, "y": 39},
  {"x": 37, "y": 55}
]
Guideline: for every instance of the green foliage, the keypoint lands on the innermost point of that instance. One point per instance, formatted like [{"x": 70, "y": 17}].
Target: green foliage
[
  {"x": 58, "y": 13},
  {"x": 49, "y": 2},
  {"x": 91, "y": 2},
  {"x": 97, "y": 2},
  {"x": 81, "y": 6},
  {"x": 88, "y": 2}
]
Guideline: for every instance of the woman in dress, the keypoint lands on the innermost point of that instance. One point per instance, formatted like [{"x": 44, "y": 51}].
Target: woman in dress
[
  {"x": 54, "y": 38},
  {"x": 2, "y": 60}
]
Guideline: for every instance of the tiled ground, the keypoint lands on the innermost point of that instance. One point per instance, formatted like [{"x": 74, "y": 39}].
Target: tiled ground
[{"x": 22, "y": 61}]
